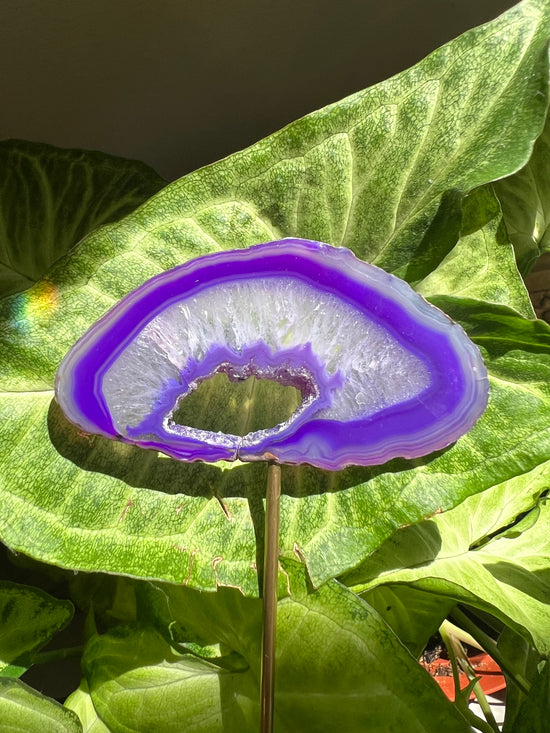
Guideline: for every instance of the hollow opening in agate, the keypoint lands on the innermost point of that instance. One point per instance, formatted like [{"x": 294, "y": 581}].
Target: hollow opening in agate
[{"x": 236, "y": 404}]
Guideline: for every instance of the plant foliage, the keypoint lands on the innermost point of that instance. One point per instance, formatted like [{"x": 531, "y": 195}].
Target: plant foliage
[{"x": 439, "y": 175}]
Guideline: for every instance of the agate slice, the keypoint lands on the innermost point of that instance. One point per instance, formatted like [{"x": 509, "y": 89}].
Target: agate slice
[{"x": 381, "y": 372}]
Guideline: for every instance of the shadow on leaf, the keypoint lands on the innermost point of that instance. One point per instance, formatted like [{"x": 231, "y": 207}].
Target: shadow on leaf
[{"x": 151, "y": 470}]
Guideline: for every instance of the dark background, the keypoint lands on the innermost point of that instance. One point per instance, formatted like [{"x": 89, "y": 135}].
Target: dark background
[{"x": 181, "y": 83}]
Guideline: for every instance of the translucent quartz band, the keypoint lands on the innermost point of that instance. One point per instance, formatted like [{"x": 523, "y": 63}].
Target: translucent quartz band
[{"x": 382, "y": 373}]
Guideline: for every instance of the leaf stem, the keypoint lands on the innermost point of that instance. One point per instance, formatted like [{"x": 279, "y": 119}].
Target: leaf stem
[
  {"x": 56, "y": 655},
  {"x": 457, "y": 655},
  {"x": 271, "y": 573},
  {"x": 491, "y": 648},
  {"x": 451, "y": 650},
  {"x": 463, "y": 636}
]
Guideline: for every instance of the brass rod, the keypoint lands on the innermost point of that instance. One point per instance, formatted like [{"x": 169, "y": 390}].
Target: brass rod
[{"x": 271, "y": 572}]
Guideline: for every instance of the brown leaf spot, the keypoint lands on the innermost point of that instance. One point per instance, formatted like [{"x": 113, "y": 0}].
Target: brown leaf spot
[
  {"x": 191, "y": 563},
  {"x": 180, "y": 548},
  {"x": 129, "y": 504}
]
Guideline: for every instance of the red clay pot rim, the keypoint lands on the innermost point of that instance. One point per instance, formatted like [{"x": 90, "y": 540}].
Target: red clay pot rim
[{"x": 491, "y": 677}]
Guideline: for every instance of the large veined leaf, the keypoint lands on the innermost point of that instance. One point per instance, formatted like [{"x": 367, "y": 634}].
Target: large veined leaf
[
  {"x": 22, "y": 709},
  {"x": 454, "y": 554},
  {"x": 138, "y": 684},
  {"x": 525, "y": 201},
  {"x": 383, "y": 172},
  {"x": 366, "y": 681},
  {"x": 51, "y": 197},
  {"x": 107, "y": 508},
  {"x": 533, "y": 714},
  {"x": 368, "y": 172},
  {"x": 483, "y": 247},
  {"x": 30, "y": 618},
  {"x": 523, "y": 661},
  {"x": 414, "y": 615},
  {"x": 80, "y": 702}
]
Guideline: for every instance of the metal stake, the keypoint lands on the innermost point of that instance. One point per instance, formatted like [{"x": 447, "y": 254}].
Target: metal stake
[{"x": 271, "y": 571}]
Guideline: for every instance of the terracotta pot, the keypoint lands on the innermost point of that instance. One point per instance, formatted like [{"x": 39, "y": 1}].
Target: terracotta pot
[{"x": 491, "y": 678}]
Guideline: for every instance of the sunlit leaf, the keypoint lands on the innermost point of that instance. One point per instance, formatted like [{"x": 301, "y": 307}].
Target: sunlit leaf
[
  {"x": 22, "y": 709},
  {"x": 383, "y": 172},
  {"x": 338, "y": 666},
  {"x": 80, "y": 702},
  {"x": 455, "y": 554},
  {"x": 107, "y": 508},
  {"x": 483, "y": 248}
]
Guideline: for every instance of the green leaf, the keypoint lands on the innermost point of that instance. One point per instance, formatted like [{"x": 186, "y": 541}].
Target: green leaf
[
  {"x": 534, "y": 714},
  {"x": 383, "y": 172},
  {"x": 522, "y": 660},
  {"x": 50, "y": 198},
  {"x": 138, "y": 684},
  {"x": 483, "y": 248},
  {"x": 372, "y": 682},
  {"x": 413, "y": 615},
  {"x": 80, "y": 702},
  {"x": 338, "y": 666},
  {"x": 368, "y": 172},
  {"x": 29, "y": 618},
  {"x": 525, "y": 201},
  {"x": 465, "y": 555},
  {"x": 22, "y": 709},
  {"x": 101, "y": 505}
]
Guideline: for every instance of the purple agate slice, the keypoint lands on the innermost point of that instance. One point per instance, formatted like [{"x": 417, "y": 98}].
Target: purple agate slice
[{"x": 382, "y": 373}]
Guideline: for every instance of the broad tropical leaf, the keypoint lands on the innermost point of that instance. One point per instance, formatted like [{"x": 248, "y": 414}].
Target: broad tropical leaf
[
  {"x": 338, "y": 666},
  {"x": 455, "y": 554},
  {"x": 533, "y": 714},
  {"x": 414, "y": 615},
  {"x": 80, "y": 702},
  {"x": 483, "y": 248},
  {"x": 51, "y": 197},
  {"x": 22, "y": 709},
  {"x": 383, "y": 172},
  {"x": 525, "y": 201}
]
